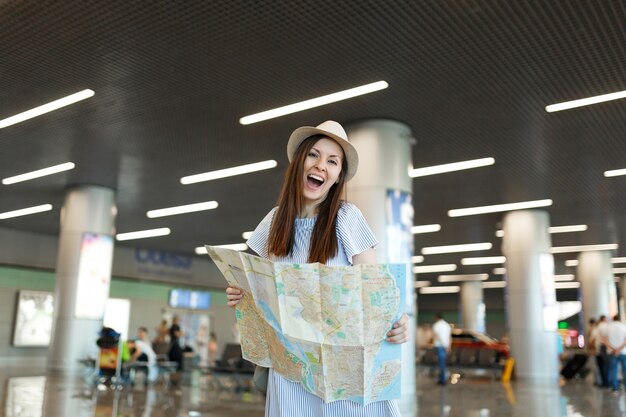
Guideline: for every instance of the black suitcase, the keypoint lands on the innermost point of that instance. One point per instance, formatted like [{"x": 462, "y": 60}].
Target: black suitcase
[{"x": 574, "y": 366}]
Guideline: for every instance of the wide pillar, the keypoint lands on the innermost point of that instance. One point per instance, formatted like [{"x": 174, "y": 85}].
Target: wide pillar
[
  {"x": 83, "y": 275},
  {"x": 473, "y": 306},
  {"x": 595, "y": 273},
  {"x": 382, "y": 189},
  {"x": 532, "y": 304}
]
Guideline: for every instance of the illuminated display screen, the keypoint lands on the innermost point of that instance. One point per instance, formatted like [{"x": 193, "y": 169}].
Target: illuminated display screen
[{"x": 195, "y": 300}]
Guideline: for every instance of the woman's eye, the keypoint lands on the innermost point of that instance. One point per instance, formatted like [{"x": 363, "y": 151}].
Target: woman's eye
[
  {"x": 332, "y": 161},
  {"x": 313, "y": 154}
]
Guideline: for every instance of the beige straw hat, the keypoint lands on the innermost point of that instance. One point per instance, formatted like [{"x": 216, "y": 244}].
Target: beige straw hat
[{"x": 334, "y": 131}]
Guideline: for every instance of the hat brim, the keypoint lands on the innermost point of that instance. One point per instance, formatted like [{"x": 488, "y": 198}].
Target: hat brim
[{"x": 300, "y": 134}]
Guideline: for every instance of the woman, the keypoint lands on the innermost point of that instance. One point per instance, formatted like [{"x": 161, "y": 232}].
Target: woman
[{"x": 313, "y": 224}]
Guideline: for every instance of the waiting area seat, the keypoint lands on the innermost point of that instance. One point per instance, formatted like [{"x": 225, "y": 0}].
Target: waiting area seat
[{"x": 231, "y": 370}]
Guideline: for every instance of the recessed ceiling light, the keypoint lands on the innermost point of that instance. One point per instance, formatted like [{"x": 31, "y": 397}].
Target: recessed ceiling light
[
  {"x": 314, "y": 102},
  {"x": 615, "y": 172},
  {"x": 449, "y": 289},
  {"x": 39, "y": 173},
  {"x": 246, "y": 235},
  {"x": 201, "y": 250},
  {"x": 499, "y": 233},
  {"x": 422, "y": 284},
  {"x": 425, "y": 269},
  {"x": 564, "y": 277},
  {"x": 54, "y": 105},
  {"x": 567, "y": 229},
  {"x": 499, "y": 208},
  {"x": 499, "y": 271},
  {"x": 425, "y": 228},
  {"x": 188, "y": 208},
  {"x": 566, "y": 285},
  {"x": 418, "y": 259},
  {"x": 463, "y": 277},
  {"x": 25, "y": 211},
  {"x": 142, "y": 234},
  {"x": 571, "y": 262},
  {"x": 585, "y": 101},
  {"x": 583, "y": 248},
  {"x": 228, "y": 172},
  {"x": 494, "y": 284},
  {"x": 485, "y": 260},
  {"x": 454, "y": 166},
  {"x": 434, "y": 250}
]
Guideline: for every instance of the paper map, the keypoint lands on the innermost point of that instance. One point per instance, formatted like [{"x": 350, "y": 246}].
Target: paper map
[{"x": 322, "y": 326}]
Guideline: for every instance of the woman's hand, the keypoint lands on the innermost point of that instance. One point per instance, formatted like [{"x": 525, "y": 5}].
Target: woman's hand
[
  {"x": 400, "y": 331},
  {"x": 234, "y": 296}
]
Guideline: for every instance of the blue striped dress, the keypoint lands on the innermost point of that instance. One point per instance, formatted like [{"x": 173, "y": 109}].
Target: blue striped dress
[{"x": 284, "y": 397}]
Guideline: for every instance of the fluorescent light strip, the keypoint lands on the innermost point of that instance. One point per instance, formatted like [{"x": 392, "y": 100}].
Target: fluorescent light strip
[
  {"x": 422, "y": 284},
  {"x": 619, "y": 270},
  {"x": 25, "y": 211},
  {"x": 201, "y": 250},
  {"x": 418, "y": 259},
  {"x": 434, "y": 250},
  {"x": 246, "y": 235},
  {"x": 486, "y": 260},
  {"x": 454, "y": 166},
  {"x": 566, "y": 285},
  {"x": 142, "y": 234},
  {"x": 583, "y": 248},
  {"x": 499, "y": 271},
  {"x": 618, "y": 260},
  {"x": 425, "y": 269},
  {"x": 566, "y": 105},
  {"x": 450, "y": 289},
  {"x": 564, "y": 277},
  {"x": 615, "y": 172},
  {"x": 314, "y": 102},
  {"x": 228, "y": 172},
  {"x": 188, "y": 208},
  {"x": 494, "y": 284},
  {"x": 567, "y": 229},
  {"x": 499, "y": 233},
  {"x": 54, "y": 105},
  {"x": 463, "y": 277},
  {"x": 425, "y": 228},
  {"x": 499, "y": 208},
  {"x": 39, "y": 173},
  {"x": 571, "y": 262}
]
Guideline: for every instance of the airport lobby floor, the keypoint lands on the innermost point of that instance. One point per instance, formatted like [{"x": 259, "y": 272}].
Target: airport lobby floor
[{"x": 30, "y": 393}]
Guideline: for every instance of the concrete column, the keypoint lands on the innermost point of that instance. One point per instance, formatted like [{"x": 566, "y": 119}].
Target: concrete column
[
  {"x": 83, "y": 275},
  {"x": 595, "y": 273},
  {"x": 531, "y": 296},
  {"x": 473, "y": 306},
  {"x": 382, "y": 189}
]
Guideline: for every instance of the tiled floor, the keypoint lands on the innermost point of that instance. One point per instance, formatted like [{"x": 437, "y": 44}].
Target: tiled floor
[{"x": 32, "y": 393}]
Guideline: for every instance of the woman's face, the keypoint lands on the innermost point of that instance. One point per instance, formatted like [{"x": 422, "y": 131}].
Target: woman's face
[{"x": 322, "y": 168}]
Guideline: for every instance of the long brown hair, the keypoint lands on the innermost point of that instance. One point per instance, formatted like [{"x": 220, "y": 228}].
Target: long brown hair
[{"x": 291, "y": 203}]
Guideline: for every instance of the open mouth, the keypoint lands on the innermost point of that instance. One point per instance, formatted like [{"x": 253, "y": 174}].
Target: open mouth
[{"x": 314, "y": 181}]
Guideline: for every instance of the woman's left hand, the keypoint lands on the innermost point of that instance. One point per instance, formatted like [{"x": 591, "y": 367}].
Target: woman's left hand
[{"x": 400, "y": 331}]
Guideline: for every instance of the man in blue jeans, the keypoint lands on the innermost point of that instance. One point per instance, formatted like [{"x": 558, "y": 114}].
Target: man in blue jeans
[
  {"x": 442, "y": 334},
  {"x": 614, "y": 338}
]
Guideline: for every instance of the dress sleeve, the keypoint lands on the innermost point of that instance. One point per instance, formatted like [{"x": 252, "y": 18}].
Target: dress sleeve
[
  {"x": 353, "y": 232},
  {"x": 258, "y": 240}
]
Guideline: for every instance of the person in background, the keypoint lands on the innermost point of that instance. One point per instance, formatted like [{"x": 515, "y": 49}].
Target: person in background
[
  {"x": 176, "y": 351},
  {"x": 600, "y": 350},
  {"x": 313, "y": 224},
  {"x": 591, "y": 351},
  {"x": 614, "y": 338},
  {"x": 141, "y": 351},
  {"x": 162, "y": 333},
  {"x": 442, "y": 334},
  {"x": 142, "y": 334},
  {"x": 213, "y": 348}
]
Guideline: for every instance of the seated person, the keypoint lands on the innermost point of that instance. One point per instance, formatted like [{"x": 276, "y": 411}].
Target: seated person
[{"x": 142, "y": 352}]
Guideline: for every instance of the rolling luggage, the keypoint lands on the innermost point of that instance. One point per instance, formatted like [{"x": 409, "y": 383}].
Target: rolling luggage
[{"x": 574, "y": 366}]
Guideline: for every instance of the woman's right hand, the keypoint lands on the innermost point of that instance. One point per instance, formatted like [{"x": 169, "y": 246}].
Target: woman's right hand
[{"x": 234, "y": 295}]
